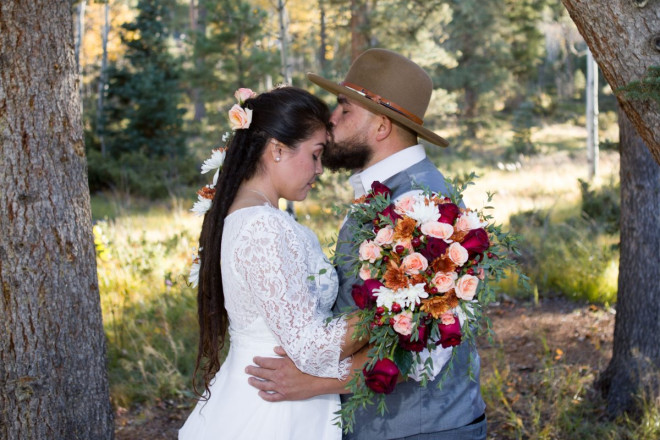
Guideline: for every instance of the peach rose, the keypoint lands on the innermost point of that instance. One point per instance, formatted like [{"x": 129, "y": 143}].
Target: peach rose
[
  {"x": 457, "y": 253},
  {"x": 384, "y": 236},
  {"x": 365, "y": 272},
  {"x": 448, "y": 318},
  {"x": 414, "y": 263},
  {"x": 437, "y": 230},
  {"x": 403, "y": 323},
  {"x": 466, "y": 287},
  {"x": 242, "y": 94},
  {"x": 469, "y": 220},
  {"x": 239, "y": 117},
  {"x": 404, "y": 204},
  {"x": 370, "y": 251},
  {"x": 445, "y": 281}
]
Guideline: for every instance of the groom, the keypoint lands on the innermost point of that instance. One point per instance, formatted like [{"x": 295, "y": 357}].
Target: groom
[{"x": 378, "y": 119}]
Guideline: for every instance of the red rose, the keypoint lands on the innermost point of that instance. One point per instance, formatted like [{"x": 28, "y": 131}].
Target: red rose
[
  {"x": 363, "y": 295},
  {"x": 382, "y": 377},
  {"x": 378, "y": 188},
  {"x": 450, "y": 335},
  {"x": 419, "y": 344},
  {"x": 476, "y": 242},
  {"x": 389, "y": 213},
  {"x": 448, "y": 213},
  {"x": 435, "y": 247}
]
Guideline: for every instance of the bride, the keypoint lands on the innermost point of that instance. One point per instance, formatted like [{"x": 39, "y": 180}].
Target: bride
[{"x": 263, "y": 279}]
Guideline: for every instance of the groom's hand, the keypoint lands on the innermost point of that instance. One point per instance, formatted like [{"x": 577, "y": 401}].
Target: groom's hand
[{"x": 278, "y": 379}]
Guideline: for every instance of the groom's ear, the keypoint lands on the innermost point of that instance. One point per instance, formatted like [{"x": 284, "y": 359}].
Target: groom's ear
[{"x": 384, "y": 127}]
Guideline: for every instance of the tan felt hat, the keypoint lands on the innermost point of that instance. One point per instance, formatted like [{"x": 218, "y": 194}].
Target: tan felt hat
[{"x": 389, "y": 84}]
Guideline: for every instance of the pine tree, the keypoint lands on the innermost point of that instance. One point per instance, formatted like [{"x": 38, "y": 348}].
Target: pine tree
[
  {"x": 231, "y": 50},
  {"x": 143, "y": 113}
]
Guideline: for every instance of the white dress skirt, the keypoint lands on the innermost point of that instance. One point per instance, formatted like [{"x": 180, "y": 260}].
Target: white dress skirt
[{"x": 272, "y": 300}]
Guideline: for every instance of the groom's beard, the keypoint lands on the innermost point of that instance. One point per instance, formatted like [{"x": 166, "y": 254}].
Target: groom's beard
[{"x": 351, "y": 154}]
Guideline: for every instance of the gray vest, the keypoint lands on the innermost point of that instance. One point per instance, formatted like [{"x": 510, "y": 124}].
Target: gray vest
[{"x": 413, "y": 409}]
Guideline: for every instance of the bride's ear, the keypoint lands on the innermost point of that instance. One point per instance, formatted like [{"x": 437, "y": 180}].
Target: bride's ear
[{"x": 274, "y": 150}]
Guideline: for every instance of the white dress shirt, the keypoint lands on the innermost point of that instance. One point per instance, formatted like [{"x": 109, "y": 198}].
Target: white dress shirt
[{"x": 386, "y": 168}]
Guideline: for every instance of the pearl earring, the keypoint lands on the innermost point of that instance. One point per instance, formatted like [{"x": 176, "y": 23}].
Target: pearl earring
[{"x": 277, "y": 159}]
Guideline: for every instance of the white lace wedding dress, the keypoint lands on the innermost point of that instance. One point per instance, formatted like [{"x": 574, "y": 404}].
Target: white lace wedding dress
[{"x": 267, "y": 261}]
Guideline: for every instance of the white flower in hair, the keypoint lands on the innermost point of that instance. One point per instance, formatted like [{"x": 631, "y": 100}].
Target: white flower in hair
[
  {"x": 193, "y": 278},
  {"x": 214, "y": 163},
  {"x": 201, "y": 206}
]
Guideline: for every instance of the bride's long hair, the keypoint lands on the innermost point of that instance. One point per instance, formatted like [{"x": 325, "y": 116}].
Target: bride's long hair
[{"x": 289, "y": 115}]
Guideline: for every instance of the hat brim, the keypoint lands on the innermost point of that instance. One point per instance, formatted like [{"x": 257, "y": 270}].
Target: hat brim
[{"x": 374, "y": 107}]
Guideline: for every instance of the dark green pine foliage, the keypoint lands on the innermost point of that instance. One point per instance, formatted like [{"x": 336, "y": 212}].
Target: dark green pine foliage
[
  {"x": 143, "y": 115},
  {"x": 474, "y": 36},
  {"x": 230, "y": 52},
  {"x": 498, "y": 46}
]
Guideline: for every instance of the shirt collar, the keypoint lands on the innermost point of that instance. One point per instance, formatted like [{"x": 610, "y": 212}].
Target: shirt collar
[{"x": 386, "y": 168}]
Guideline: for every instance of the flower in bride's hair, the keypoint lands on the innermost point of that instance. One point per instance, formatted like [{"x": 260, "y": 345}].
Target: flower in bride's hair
[
  {"x": 243, "y": 94},
  {"x": 204, "y": 199},
  {"x": 193, "y": 278},
  {"x": 214, "y": 163},
  {"x": 239, "y": 117}
]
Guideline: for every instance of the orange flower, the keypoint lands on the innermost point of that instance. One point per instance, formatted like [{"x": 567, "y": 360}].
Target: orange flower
[
  {"x": 418, "y": 279},
  {"x": 206, "y": 192},
  {"x": 395, "y": 277},
  {"x": 437, "y": 305},
  {"x": 404, "y": 229},
  {"x": 443, "y": 264},
  {"x": 360, "y": 200},
  {"x": 458, "y": 236}
]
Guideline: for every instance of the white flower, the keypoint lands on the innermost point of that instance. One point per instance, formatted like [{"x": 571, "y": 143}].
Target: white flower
[
  {"x": 201, "y": 206},
  {"x": 411, "y": 295},
  {"x": 385, "y": 297},
  {"x": 215, "y": 163},
  {"x": 226, "y": 136},
  {"x": 193, "y": 278},
  {"x": 423, "y": 211}
]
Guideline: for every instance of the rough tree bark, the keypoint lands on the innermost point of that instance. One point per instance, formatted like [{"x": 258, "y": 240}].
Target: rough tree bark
[
  {"x": 53, "y": 378},
  {"x": 635, "y": 365},
  {"x": 624, "y": 37}
]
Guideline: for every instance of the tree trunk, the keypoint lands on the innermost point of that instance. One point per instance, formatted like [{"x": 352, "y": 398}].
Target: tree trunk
[
  {"x": 198, "y": 26},
  {"x": 624, "y": 38},
  {"x": 635, "y": 365},
  {"x": 359, "y": 32},
  {"x": 52, "y": 346},
  {"x": 100, "y": 111}
]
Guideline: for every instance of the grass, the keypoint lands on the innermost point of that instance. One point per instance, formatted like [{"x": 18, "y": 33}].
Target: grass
[{"x": 149, "y": 311}]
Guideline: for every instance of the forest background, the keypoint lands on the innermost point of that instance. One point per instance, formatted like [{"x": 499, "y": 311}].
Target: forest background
[{"x": 157, "y": 78}]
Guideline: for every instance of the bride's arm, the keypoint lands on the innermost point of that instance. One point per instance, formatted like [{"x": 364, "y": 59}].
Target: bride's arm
[{"x": 271, "y": 258}]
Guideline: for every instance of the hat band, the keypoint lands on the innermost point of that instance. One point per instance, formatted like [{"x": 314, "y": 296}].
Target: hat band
[{"x": 389, "y": 104}]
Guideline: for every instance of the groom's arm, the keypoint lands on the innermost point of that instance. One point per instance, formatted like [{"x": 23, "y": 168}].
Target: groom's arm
[{"x": 278, "y": 379}]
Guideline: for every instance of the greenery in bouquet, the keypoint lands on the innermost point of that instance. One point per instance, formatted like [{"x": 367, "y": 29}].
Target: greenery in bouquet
[{"x": 426, "y": 265}]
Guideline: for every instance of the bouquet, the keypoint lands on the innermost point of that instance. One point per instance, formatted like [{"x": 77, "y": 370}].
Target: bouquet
[{"x": 425, "y": 263}]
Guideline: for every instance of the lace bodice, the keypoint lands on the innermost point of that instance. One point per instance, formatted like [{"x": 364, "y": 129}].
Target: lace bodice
[{"x": 271, "y": 269}]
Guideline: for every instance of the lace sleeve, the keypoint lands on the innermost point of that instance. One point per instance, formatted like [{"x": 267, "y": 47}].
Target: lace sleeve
[{"x": 272, "y": 258}]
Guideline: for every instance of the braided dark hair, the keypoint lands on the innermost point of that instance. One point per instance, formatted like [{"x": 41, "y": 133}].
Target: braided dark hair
[{"x": 289, "y": 115}]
